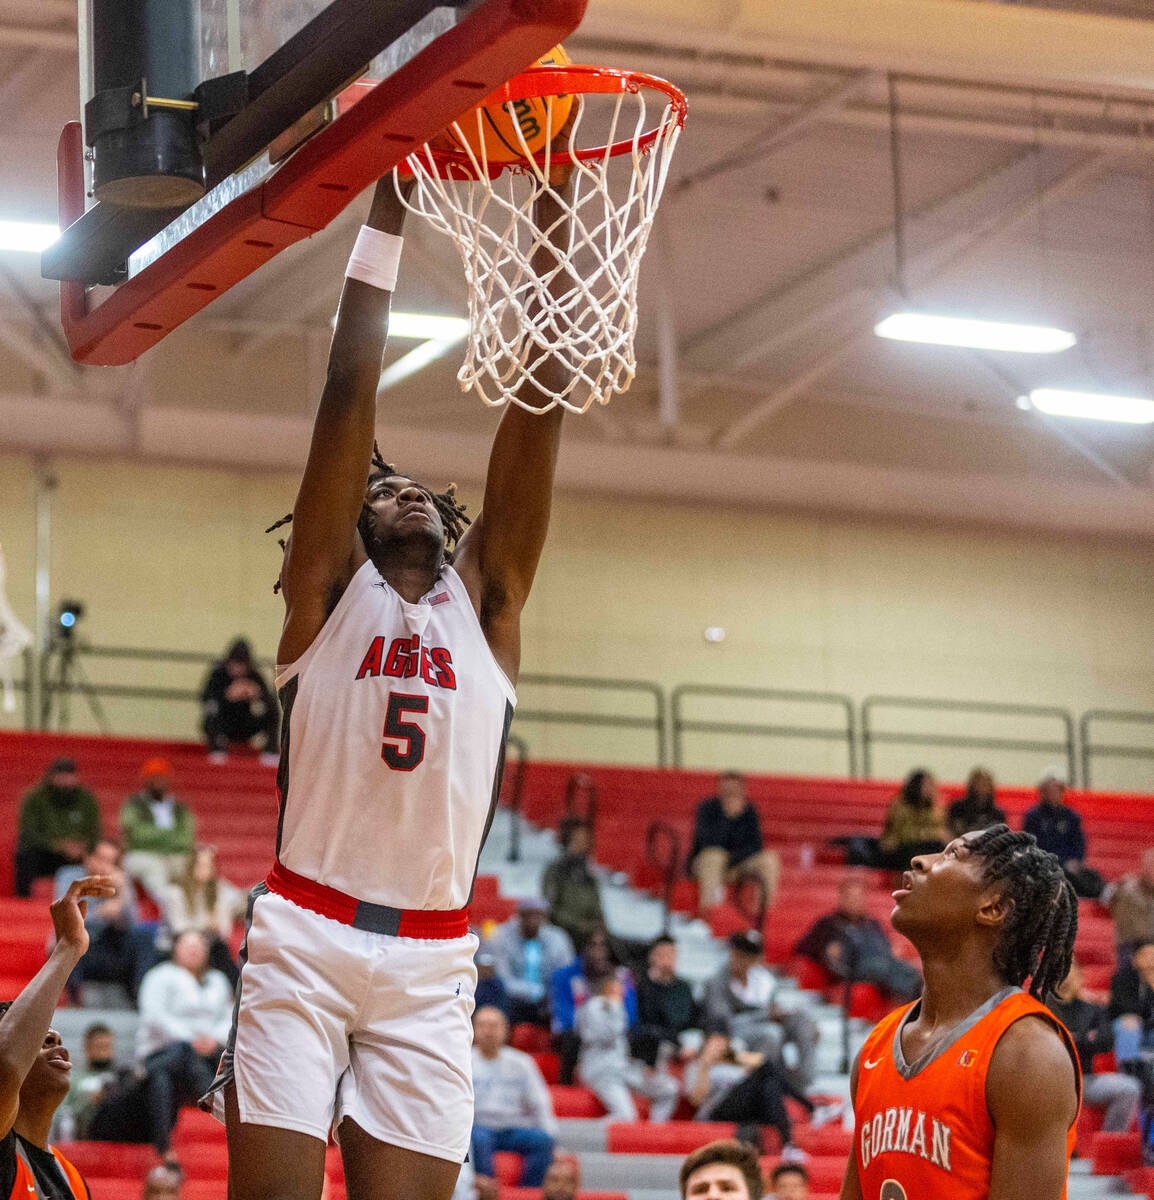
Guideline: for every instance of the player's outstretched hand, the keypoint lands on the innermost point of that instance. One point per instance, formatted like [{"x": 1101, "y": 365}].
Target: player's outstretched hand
[{"x": 69, "y": 911}]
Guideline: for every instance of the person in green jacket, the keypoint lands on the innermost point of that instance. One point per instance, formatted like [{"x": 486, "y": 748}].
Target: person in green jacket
[
  {"x": 570, "y": 887},
  {"x": 159, "y": 832},
  {"x": 59, "y": 825}
]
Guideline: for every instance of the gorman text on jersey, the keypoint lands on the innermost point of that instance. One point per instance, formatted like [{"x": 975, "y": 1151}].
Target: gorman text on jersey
[{"x": 905, "y": 1131}]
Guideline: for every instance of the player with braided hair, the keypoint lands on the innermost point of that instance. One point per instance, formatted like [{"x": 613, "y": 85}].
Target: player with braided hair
[
  {"x": 397, "y": 664},
  {"x": 972, "y": 1092}
]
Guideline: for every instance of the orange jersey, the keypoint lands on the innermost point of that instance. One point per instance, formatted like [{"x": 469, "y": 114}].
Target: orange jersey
[{"x": 923, "y": 1131}]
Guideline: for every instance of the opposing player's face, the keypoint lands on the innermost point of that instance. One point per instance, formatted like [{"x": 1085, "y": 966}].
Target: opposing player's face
[
  {"x": 940, "y": 891},
  {"x": 402, "y": 509}
]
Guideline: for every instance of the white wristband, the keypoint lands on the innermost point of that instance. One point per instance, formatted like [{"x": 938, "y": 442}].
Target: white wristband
[{"x": 375, "y": 258}]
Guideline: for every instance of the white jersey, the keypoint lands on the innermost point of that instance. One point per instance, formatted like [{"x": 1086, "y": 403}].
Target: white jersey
[{"x": 392, "y": 744}]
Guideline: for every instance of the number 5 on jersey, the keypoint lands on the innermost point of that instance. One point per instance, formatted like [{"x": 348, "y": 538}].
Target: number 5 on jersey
[{"x": 403, "y": 747}]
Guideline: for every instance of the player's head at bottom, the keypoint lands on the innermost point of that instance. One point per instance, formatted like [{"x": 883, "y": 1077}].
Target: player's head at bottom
[
  {"x": 727, "y": 1170},
  {"x": 993, "y": 889}
]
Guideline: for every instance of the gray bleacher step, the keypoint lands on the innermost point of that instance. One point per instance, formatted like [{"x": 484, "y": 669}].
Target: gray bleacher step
[
  {"x": 625, "y": 1172},
  {"x": 581, "y": 1134},
  {"x": 71, "y": 1023},
  {"x": 1096, "y": 1187},
  {"x": 653, "y": 1194}
]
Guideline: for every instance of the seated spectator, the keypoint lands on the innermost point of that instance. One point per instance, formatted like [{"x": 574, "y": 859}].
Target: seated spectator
[
  {"x": 604, "y": 1063},
  {"x": 728, "y": 846},
  {"x": 724, "y": 1084},
  {"x": 159, "y": 832},
  {"x": 185, "y": 1019},
  {"x": 490, "y": 991},
  {"x": 1058, "y": 829},
  {"x": 789, "y": 1181},
  {"x": 569, "y": 885},
  {"x": 59, "y": 824},
  {"x": 665, "y": 1005},
  {"x": 87, "y": 1083},
  {"x": 34, "y": 1066},
  {"x": 739, "y": 1003},
  {"x": 200, "y": 899},
  {"x": 730, "y": 1169},
  {"x": 1090, "y": 1027},
  {"x": 239, "y": 706},
  {"x": 561, "y": 1180},
  {"x": 977, "y": 809},
  {"x": 528, "y": 951},
  {"x": 122, "y": 947},
  {"x": 852, "y": 945},
  {"x": 161, "y": 1183},
  {"x": 915, "y": 823},
  {"x": 1132, "y": 1007},
  {"x": 1131, "y": 904},
  {"x": 512, "y": 1110}
]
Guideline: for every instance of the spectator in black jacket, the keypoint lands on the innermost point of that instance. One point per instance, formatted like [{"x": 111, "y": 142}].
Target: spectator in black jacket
[
  {"x": 1058, "y": 829},
  {"x": 977, "y": 809},
  {"x": 1093, "y": 1033},
  {"x": 1132, "y": 1005},
  {"x": 238, "y": 705},
  {"x": 727, "y": 844},
  {"x": 851, "y": 944},
  {"x": 665, "y": 1004}
]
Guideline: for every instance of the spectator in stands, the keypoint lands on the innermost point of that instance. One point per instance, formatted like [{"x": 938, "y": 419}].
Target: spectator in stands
[
  {"x": 730, "y": 1169},
  {"x": 1131, "y": 904},
  {"x": 490, "y": 991},
  {"x": 159, "y": 832},
  {"x": 1090, "y": 1027},
  {"x": 512, "y": 1110},
  {"x": 1058, "y": 829},
  {"x": 739, "y": 1003},
  {"x": 161, "y": 1183},
  {"x": 665, "y": 1005},
  {"x": 200, "y": 899},
  {"x": 852, "y": 945},
  {"x": 569, "y": 885},
  {"x": 88, "y": 1082},
  {"x": 528, "y": 951},
  {"x": 728, "y": 846},
  {"x": 605, "y": 1065},
  {"x": 122, "y": 947},
  {"x": 561, "y": 1179},
  {"x": 59, "y": 825},
  {"x": 185, "y": 1018},
  {"x": 977, "y": 809},
  {"x": 915, "y": 823},
  {"x": 238, "y": 706},
  {"x": 34, "y": 1066},
  {"x": 1132, "y": 1007},
  {"x": 789, "y": 1181}
]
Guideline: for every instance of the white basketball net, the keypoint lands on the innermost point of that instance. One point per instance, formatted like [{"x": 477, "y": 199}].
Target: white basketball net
[
  {"x": 581, "y": 312},
  {"x": 14, "y": 639}
]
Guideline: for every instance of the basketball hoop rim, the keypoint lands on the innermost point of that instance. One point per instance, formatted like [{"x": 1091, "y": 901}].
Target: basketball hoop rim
[{"x": 579, "y": 79}]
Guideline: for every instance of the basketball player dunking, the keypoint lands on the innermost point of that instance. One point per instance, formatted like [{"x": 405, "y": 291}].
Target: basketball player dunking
[
  {"x": 399, "y": 655},
  {"x": 971, "y": 1093}
]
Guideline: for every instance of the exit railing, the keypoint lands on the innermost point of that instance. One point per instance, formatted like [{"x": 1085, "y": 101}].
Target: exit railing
[{"x": 1092, "y": 750}]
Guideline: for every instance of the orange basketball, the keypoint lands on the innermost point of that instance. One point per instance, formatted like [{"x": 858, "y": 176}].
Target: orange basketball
[{"x": 494, "y": 127}]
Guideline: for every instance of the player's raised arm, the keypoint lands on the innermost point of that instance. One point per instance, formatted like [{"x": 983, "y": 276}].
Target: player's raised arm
[
  {"x": 324, "y": 550},
  {"x": 1032, "y": 1095},
  {"x": 497, "y": 558}
]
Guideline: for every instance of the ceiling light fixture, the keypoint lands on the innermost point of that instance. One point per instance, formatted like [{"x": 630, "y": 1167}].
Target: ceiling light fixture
[
  {"x": 974, "y": 334},
  {"x": 1093, "y": 406},
  {"x": 424, "y": 326},
  {"x": 27, "y": 236}
]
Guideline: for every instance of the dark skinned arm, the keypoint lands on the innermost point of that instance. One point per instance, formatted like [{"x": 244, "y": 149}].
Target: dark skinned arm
[
  {"x": 325, "y": 549},
  {"x": 1030, "y": 1092},
  {"x": 497, "y": 559},
  {"x": 850, "y": 1184}
]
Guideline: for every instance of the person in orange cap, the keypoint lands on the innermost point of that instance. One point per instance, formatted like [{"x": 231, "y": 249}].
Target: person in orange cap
[{"x": 159, "y": 832}]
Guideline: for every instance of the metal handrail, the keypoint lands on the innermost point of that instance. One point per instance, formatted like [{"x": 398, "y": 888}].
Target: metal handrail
[
  {"x": 1090, "y": 750},
  {"x": 580, "y": 783},
  {"x": 756, "y": 915},
  {"x": 516, "y": 793},
  {"x": 870, "y": 737},
  {"x": 656, "y": 723},
  {"x": 681, "y": 724},
  {"x": 670, "y": 867}
]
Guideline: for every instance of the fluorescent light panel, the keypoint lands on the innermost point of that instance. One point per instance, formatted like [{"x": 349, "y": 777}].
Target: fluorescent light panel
[
  {"x": 1093, "y": 406},
  {"x": 424, "y": 326},
  {"x": 27, "y": 236},
  {"x": 973, "y": 334}
]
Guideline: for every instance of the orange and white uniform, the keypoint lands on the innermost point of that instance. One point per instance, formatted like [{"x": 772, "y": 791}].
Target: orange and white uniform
[{"x": 923, "y": 1129}]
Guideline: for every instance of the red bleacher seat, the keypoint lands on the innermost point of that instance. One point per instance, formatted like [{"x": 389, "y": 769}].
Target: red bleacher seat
[
  {"x": 1114, "y": 1153},
  {"x": 507, "y": 1168},
  {"x": 550, "y": 1066},
  {"x": 672, "y": 1137},
  {"x": 532, "y": 1039},
  {"x": 575, "y": 1102},
  {"x": 825, "y": 1173},
  {"x": 1141, "y": 1181}
]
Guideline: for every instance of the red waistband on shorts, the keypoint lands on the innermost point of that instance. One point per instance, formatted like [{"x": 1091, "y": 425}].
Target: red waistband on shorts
[{"x": 360, "y": 914}]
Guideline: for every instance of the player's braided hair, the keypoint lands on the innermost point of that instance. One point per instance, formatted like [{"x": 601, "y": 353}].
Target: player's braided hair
[
  {"x": 449, "y": 508},
  {"x": 1037, "y": 941}
]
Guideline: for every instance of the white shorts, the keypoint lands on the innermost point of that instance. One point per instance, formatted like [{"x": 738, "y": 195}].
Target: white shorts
[{"x": 334, "y": 1022}]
